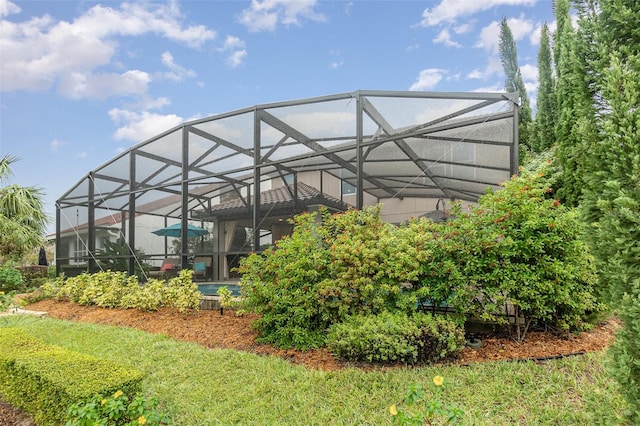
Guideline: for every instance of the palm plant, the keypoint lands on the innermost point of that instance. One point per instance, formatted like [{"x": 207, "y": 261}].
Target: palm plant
[{"x": 22, "y": 217}]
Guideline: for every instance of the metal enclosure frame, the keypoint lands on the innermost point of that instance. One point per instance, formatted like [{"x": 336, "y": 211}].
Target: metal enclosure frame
[{"x": 384, "y": 144}]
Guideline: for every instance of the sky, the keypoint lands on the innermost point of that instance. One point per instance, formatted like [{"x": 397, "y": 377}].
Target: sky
[{"x": 82, "y": 81}]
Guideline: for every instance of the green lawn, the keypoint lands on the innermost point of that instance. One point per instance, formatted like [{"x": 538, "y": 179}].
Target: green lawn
[{"x": 199, "y": 386}]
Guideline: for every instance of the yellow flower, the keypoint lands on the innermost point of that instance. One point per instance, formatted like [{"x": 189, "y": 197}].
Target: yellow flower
[
  {"x": 104, "y": 401},
  {"x": 142, "y": 420},
  {"x": 118, "y": 394},
  {"x": 393, "y": 410},
  {"x": 438, "y": 380}
]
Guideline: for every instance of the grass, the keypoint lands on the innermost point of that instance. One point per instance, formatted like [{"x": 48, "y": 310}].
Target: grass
[{"x": 199, "y": 386}]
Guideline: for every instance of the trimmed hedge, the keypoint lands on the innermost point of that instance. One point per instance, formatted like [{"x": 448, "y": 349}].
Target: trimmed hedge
[
  {"x": 46, "y": 380},
  {"x": 396, "y": 337}
]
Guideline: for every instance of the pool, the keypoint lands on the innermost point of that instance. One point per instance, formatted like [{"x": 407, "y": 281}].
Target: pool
[{"x": 211, "y": 289}]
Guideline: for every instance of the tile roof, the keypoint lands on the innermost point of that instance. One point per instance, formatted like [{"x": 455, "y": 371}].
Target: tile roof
[{"x": 281, "y": 198}]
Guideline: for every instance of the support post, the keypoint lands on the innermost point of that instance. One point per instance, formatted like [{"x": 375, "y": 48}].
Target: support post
[
  {"x": 131, "y": 236},
  {"x": 91, "y": 231},
  {"x": 184, "y": 216},
  {"x": 359, "y": 156}
]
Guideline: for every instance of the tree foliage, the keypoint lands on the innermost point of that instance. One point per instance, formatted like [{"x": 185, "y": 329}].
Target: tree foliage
[
  {"x": 575, "y": 130},
  {"x": 543, "y": 136},
  {"x": 115, "y": 257},
  {"x": 514, "y": 82},
  {"x": 22, "y": 217},
  {"x": 611, "y": 203}
]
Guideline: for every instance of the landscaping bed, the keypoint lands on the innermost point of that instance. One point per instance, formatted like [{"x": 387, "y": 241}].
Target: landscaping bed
[{"x": 210, "y": 329}]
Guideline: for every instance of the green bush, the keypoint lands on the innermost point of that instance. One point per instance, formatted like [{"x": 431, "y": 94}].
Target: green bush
[
  {"x": 117, "y": 409},
  {"x": 518, "y": 248},
  {"x": 280, "y": 285},
  {"x": 396, "y": 337},
  {"x": 519, "y": 252},
  {"x": 45, "y": 380},
  {"x": 10, "y": 279},
  {"x": 182, "y": 293},
  {"x": 114, "y": 289},
  {"x": 350, "y": 264}
]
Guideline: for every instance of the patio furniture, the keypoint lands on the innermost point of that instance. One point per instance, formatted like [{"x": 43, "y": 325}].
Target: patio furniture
[
  {"x": 202, "y": 268},
  {"x": 170, "y": 267}
]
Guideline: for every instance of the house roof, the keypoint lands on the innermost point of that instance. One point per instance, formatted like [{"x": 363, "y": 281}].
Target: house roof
[{"x": 281, "y": 200}]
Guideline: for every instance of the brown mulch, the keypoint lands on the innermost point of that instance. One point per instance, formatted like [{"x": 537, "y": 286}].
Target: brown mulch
[
  {"x": 10, "y": 416},
  {"x": 210, "y": 329}
]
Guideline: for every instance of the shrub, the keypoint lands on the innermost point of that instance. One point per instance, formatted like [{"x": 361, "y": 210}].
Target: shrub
[
  {"x": 115, "y": 289},
  {"x": 6, "y": 301},
  {"x": 350, "y": 264},
  {"x": 519, "y": 251},
  {"x": 517, "y": 248},
  {"x": 395, "y": 337},
  {"x": 182, "y": 293},
  {"x": 45, "y": 380},
  {"x": 117, "y": 409},
  {"x": 10, "y": 279}
]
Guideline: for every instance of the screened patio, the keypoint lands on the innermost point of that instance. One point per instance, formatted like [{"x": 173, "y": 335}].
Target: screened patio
[{"x": 241, "y": 175}]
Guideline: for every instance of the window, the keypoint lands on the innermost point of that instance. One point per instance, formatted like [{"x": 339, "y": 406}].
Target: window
[{"x": 347, "y": 188}]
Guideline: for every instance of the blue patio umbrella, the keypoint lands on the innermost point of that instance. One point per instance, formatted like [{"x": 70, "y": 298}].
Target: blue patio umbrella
[{"x": 176, "y": 231}]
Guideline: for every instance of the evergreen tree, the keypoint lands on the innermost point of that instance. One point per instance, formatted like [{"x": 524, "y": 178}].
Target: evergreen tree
[
  {"x": 543, "y": 136},
  {"x": 575, "y": 129},
  {"x": 514, "y": 83},
  {"x": 612, "y": 197}
]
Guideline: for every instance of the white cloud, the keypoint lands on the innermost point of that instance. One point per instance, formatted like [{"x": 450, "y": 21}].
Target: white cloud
[
  {"x": 445, "y": 38},
  {"x": 497, "y": 87},
  {"x": 236, "y": 53},
  {"x": 493, "y": 67},
  {"x": 176, "y": 72},
  {"x": 412, "y": 47},
  {"x": 56, "y": 144},
  {"x": 235, "y": 59},
  {"x": 265, "y": 15},
  {"x": 82, "y": 154},
  {"x": 489, "y": 39},
  {"x": 536, "y": 34},
  {"x": 338, "y": 62},
  {"x": 36, "y": 53},
  {"x": 158, "y": 103},
  {"x": 490, "y": 35},
  {"x": 232, "y": 43},
  {"x": 448, "y": 11},
  {"x": 78, "y": 85},
  {"x": 7, "y": 8},
  {"x": 135, "y": 19},
  {"x": 428, "y": 79},
  {"x": 139, "y": 126},
  {"x": 454, "y": 77},
  {"x": 529, "y": 72},
  {"x": 464, "y": 28},
  {"x": 476, "y": 74}
]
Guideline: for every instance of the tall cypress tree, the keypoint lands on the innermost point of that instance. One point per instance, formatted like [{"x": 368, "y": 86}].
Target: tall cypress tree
[
  {"x": 514, "y": 83},
  {"x": 544, "y": 135},
  {"x": 575, "y": 129},
  {"x": 612, "y": 196}
]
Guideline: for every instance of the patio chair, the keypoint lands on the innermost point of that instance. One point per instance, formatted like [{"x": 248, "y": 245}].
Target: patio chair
[
  {"x": 169, "y": 268},
  {"x": 202, "y": 268}
]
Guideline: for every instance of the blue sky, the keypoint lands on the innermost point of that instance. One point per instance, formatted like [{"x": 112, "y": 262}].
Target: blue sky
[{"x": 80, "y": 81}]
